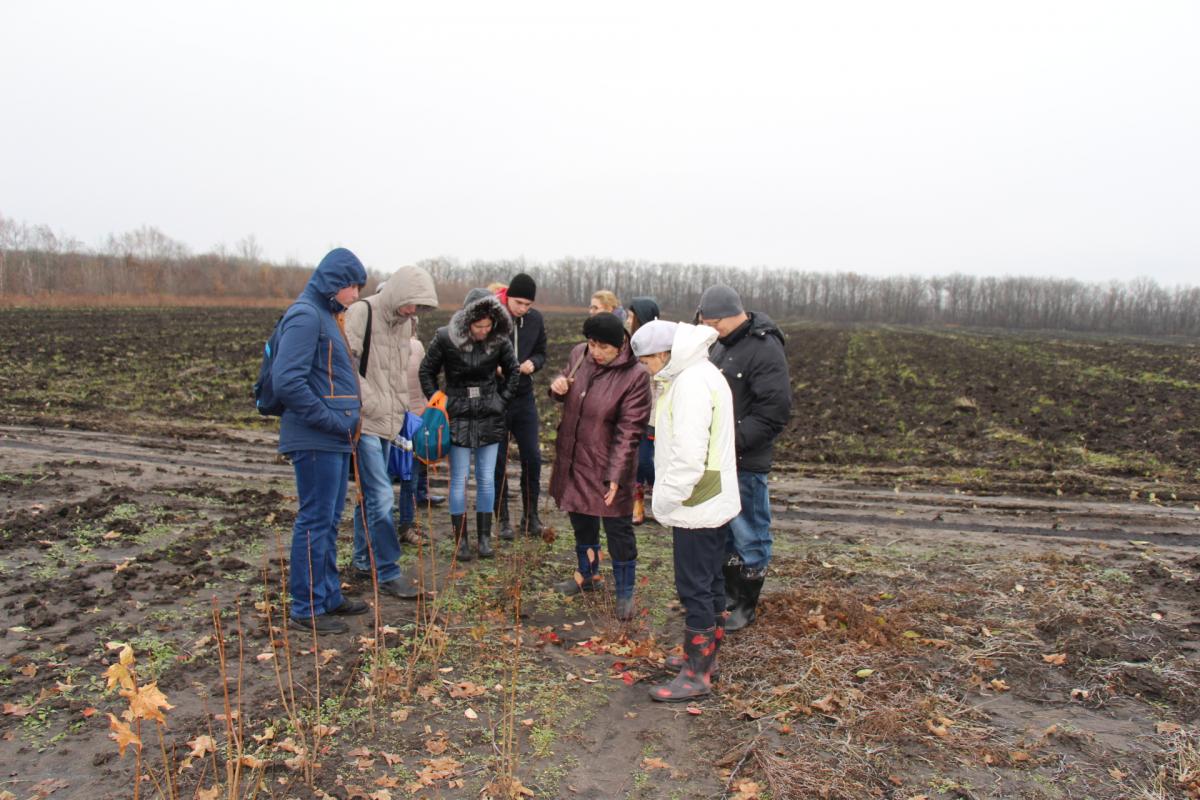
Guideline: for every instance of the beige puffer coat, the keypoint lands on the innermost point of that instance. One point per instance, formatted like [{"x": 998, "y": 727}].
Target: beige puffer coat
[{"x": 386, "y": 387}]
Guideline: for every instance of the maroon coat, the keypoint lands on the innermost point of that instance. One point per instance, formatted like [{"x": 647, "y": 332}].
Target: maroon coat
[{"x": 604, "y": 415}]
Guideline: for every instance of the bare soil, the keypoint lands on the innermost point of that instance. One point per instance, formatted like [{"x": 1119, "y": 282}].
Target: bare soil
[{"x": 956, "y": 619}]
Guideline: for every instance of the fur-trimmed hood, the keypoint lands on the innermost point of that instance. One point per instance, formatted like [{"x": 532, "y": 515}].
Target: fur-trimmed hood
[{"x": 477, "y": 307}]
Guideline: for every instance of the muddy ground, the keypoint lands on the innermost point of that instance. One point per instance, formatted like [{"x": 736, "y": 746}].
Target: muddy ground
[{"x": 1015, "y": 619}]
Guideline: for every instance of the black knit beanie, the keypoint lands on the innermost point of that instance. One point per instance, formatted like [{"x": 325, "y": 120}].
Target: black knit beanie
[
  {"x": 522, "y": 286},
  {"x": 605, "y": 328}
]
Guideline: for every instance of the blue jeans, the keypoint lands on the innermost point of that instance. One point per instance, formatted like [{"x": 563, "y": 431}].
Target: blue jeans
[
  {"x": 750, "y": 531},
  {"x": 321, "y": 491},
  {"x": 376, "y": 485},
  {"x": 485, "y": 477}
]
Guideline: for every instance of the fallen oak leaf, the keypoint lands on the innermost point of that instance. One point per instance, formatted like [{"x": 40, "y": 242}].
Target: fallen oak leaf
[{"x": 1055, "y": 659}]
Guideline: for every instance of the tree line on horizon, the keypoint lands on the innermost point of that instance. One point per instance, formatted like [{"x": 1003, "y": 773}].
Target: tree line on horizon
[{"x": 35, "y": 262}]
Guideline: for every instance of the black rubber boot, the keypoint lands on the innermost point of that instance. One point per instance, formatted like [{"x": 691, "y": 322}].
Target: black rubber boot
[
  {"x": 695, "y": 677},
  {"x": 731, "y": 569},
  {"x": 483, "y": 531},
  {"x": 458, "y": 524},
  {"x": 749, "y": 587},
  {"x": 506, "y": 529}
]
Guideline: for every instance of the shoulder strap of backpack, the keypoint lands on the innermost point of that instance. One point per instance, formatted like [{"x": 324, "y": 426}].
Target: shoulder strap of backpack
[{"x": 362, "y": 363}]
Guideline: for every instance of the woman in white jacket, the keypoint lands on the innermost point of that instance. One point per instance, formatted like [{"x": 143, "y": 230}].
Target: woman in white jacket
[{"x": 695, "y": 487}]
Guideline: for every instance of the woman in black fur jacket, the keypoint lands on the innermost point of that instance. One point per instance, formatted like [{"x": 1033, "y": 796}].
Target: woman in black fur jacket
[{"x": 470, "y": 350}]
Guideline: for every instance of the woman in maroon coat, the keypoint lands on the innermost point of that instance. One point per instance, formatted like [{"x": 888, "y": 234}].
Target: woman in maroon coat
[{"x": 606, "y": 406}]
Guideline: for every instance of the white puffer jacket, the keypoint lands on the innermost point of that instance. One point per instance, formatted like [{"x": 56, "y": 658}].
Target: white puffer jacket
[
  {"x": 386, "y": 389},
  {"x": 695, "y": 466}
]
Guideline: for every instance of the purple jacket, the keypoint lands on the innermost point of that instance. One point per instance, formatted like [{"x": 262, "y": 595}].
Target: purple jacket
[{"x": 604, "y": 415}]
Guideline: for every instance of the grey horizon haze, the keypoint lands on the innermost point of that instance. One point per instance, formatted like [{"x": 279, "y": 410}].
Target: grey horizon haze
[{"x": 1054, "y": 139}]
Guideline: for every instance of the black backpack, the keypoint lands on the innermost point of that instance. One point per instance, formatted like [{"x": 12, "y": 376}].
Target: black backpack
[{"x": 268, "y": 404}]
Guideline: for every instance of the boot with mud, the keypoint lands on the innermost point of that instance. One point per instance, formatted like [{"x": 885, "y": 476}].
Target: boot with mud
[
  {"x": 588, "y": 567},
  {"x": 624, "y": 575},
  {"x": 483, "y": 532},
  {"x": 639, "y": 504},
  {"x": 732, "y": 569},
  {"x": 750, "y": 583},
  {"x": 458, "y": 524},
  {"x": 675, "y": 663},
  {"x": 695, "y": 677}
]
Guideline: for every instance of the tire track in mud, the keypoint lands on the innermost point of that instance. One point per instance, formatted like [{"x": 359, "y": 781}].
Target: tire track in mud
[
  {"x": 117, "y": 448},
  {"x": 1176, "y": 539}
]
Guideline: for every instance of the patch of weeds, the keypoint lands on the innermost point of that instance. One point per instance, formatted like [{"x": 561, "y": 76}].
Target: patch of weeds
[
  {"x": 121, "y": 512},
  {"x": 541, "y": 737},
  {"x": 1114, "y": 575},
  {"x": 155, "y": 655}
]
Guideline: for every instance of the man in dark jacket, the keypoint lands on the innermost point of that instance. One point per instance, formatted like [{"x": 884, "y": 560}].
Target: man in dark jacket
[
  {"x": 749, "y": 352},
  {"x": 529, "y": 342},
  {"x": 314, "y": 377}
]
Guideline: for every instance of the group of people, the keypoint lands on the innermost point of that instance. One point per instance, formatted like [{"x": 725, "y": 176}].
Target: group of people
[{"x": 691, "y": 409}]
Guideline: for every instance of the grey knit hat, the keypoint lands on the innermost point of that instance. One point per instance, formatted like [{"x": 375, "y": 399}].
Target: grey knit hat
[{"x": 719, "y": 302}]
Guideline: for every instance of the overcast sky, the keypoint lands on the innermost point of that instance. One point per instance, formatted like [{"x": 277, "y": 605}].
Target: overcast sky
[{"x": 1032, "y": 138}]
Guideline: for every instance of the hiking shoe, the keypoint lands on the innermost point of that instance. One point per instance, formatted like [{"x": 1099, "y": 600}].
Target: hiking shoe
[
  {"x": 350, "y": 607},
  {"x": 401, "y": 587},
  {"x": 322, "y": 623}
]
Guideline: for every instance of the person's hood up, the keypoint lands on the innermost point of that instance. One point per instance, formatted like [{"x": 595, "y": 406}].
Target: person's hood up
[
  {"x": 409, "y": 286},
  {"x": 480, "y": 303},
  {"x": 645, "y": 308},
  {"x": 338, "y": 269},
  {"x": 690, "y": 346}
]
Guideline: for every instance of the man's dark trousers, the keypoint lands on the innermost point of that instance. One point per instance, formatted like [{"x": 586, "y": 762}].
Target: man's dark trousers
[{"x": 523, "y": 429}]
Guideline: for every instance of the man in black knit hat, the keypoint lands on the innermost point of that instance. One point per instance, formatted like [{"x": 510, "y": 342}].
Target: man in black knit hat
[{"x": 529, "y": 342}]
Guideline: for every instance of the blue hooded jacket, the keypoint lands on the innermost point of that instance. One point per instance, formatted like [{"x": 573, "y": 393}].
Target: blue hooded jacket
[{"x": 313, "y": 373}]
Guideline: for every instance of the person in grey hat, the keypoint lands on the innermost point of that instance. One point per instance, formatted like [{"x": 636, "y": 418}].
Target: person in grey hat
[{"x": 749, "y": 352}]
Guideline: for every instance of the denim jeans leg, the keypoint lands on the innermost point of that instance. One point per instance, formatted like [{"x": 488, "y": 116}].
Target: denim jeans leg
[
  {"x": 321, "y": 491},
  {"x": 485, "y": 475},
  {"x": 750, "y": 531},
  {"x": 460, "y": 467},
  {"x": 377, "y": 495}
]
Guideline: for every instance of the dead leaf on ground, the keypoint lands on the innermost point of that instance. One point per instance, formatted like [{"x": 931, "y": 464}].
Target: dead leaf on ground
[
  {"x": 1055, "y": 659},
  {"x": 655, "y": 763}
]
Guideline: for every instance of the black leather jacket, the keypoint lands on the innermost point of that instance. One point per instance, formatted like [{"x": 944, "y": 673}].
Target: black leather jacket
[{"x": 476, "y": 402}]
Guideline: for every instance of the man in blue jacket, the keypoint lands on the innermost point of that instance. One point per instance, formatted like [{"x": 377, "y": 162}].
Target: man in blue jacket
[{"x": 314, "y": 377}]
